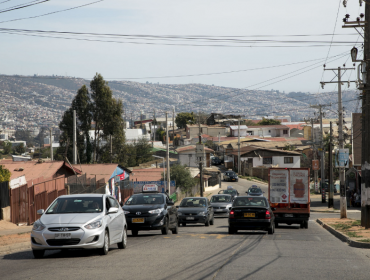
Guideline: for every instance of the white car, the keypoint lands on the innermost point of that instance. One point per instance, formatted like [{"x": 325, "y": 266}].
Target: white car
[{"x": 81, "y": 221}]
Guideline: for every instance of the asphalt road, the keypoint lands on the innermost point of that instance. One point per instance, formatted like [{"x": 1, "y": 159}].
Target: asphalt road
[{"x": 200, "y": 252}]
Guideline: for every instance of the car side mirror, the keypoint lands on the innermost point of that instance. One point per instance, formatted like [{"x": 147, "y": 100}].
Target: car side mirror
[
  {"x": 112, "y": 210},
  {"x": 170, "y": 203},
  {"x": 40, "y": 211}
]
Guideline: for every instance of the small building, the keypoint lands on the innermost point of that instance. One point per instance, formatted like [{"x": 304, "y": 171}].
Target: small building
[
  {"x": 187, "y": 156},
  {"x": 269, "y": 130},
  {"x": 192, "y": 130},
  {"x": 234, "y": 129}
]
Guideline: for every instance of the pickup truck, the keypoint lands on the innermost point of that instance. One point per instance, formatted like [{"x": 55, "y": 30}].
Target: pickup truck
[{"x": 289, "y": 195}]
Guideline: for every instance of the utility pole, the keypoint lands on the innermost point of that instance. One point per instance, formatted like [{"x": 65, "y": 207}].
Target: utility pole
[
  {"x": 342, "y": 171},
  {"x": 51, "y": 144},
  {"x": 168, "y": 156},
  {"x": 331, "y": 181},
  {"x": 111, "y": 148},
  {"x": 315, "y": 172},
  {"x": 322, "y": 161},
  {"x": 239, "y": 146},
  {"x": 173, "y": 126},
  {"x": 74, "y": 138},
  {"x": 200, "y": 160},
  {"x": 153, "y": 129}
]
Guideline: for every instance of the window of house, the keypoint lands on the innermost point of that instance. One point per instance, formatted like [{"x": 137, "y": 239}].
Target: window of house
[
  {"x": 269, "y": 131},
  {"x": 250, "y": 132},
  {"x": 285, "y": 131},
  {"x": 267, "y": 160},
  {"x": 288, "y": 159}
]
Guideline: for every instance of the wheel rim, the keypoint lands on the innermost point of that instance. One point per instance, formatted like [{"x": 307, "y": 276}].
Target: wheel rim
[
  {"x": 124, "y": 237},
  {"x": 106, "y": 241}
]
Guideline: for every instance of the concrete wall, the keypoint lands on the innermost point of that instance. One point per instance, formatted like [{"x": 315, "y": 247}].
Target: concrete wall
[{"x": 5, "y": 214}]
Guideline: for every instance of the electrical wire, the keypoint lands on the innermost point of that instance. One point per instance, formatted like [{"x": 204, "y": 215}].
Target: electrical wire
[{"x": 21, "y": 6}]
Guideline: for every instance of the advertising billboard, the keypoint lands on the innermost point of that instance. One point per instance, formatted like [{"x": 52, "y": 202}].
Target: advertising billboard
[{"x": 279, "y": 186}]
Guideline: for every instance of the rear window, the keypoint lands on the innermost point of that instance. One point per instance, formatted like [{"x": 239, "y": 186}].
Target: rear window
[
  {"x": 193, "y": 202},
  {"x": 221, "y": 198},
  {"x": 250, "y": 201},
  {"x": 254, "y": 190}
]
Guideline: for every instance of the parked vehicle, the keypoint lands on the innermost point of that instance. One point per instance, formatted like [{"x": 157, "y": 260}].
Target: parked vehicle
[
  {"x": 81, "y": 221},
  {"x": 221, "y": 204},
  {"x": 215, "y": 161},
  {"x": 289, "y": 195},
  {"x": 231, "y": 176},
  {"x": 251, "y": 213},
  {"x": 255, "y": 191},
  {"x": 150, "y": 210},
  {"x": 195, "y": 210}
]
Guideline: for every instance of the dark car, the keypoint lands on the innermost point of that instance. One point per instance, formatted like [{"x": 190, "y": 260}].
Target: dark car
[
  {"x": 195, "y": 210},
  {"x": 150, "y": 211},
  {"x": 221, "y": 204},
  {"x": 230, "y": 176},
  {"x": 251, "y": 213},
  {"x": 216, "y": 161},
  {"x": 255, "y": 191},
  {"x": 232, "y": 192},
  {"x": 327, "y": 186}
]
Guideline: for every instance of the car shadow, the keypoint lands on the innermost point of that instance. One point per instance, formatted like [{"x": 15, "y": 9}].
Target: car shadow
[
  {"x": 58, "y": 254},
  {"x": 250, "y": 232},
  {"x": 288, "y": 227}
]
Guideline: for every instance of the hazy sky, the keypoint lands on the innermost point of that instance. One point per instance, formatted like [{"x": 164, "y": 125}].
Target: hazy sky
[{"x": 28, "y": 55}]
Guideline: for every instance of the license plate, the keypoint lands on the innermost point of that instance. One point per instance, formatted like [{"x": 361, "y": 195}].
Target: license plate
[
  {"x": 249, "y": 215},
  {"x": 138, "y": 220},
  {"x": 218, "y": 210},
  {"x": 190, "y": 218},
  {"x": 289, "y": 215},
  {"x": 63, "y": 235},
  {"x": 233, "y": 179}
]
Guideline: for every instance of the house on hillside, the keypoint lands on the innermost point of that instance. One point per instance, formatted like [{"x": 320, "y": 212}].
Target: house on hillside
[
  {"x": 234, "y": 129},
  {"x": 188, "y": 156},
  {"x": 256, "y": 156},
  {"x": 269, "y": 130},
  {"x": 192, "y": 131}
]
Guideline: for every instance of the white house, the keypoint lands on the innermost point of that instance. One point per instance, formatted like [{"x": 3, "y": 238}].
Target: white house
[
  {"x": 234, "y": 130},
  {"x": 135, "y": 134},
  {"x": 188, "y": 156},
  {"x": 269, "y": 130}
]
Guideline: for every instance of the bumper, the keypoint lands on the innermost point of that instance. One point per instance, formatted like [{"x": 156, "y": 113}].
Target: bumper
[
  {"x": 154, "y": 222},
  {"x": 195, "y": 220},
  {"x": 224, "y": 212},
  {"x": 80, "y": 239},
  {"x": 296, "y": 219},
  {"x": 250, "y": 224}
]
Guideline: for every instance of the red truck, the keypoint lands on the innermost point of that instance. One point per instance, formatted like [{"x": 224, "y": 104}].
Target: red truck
[{"x": 289, "y": 195}]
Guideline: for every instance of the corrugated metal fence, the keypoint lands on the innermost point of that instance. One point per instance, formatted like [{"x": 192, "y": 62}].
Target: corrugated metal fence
[{"x": 83, "y": 184}]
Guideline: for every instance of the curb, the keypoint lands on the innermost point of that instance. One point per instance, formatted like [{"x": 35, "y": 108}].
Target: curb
[
  {"x": 324, "y": 211},
  {"x": 15, "y": 248},
  {"x": 343, "y": 237}
]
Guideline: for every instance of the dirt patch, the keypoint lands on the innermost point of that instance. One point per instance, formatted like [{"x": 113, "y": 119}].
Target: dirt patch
[
  {"x": 14, "y": 238},
  {"x": 7, "y": 225},
  {"x": 349, "y": 227}
]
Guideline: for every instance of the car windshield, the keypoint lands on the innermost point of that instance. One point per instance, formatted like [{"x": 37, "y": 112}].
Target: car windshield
[
  {"x": 221, "y": 198},
  {"x": 67, "y": 205},
  {"x": 230, "y": 174},
  {"x": 193, "y": 202},
  {"x": 141, "y": 199},
  {"x": 232, "y": 192},
  {"x": 255, "y": 190},
  {"x": 250, "y": 201}
]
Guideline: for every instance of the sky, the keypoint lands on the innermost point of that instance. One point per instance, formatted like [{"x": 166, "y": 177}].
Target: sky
[{"x": 155, "y": 60}]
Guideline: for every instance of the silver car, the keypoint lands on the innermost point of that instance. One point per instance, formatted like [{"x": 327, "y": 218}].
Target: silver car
[
  {"x": 221, "y": 204},
  {"x": 81, "y": 221}
]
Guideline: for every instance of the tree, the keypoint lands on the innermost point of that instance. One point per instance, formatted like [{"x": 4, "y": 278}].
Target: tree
[
  {"x": 25, "y": 135},
  {"x": 268, "y": 122},
  {"x": 182, "y": 119},
  {"x": 4, "y": 174},
  {"x": 7, "y": 147},
  {"x": 20, "y": 149},
  {"x": 249, "y": 123},
  {"x": 182, "y": 176}
]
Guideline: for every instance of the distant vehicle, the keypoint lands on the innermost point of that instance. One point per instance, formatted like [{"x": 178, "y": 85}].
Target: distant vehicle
[
  {"x": 251, "y": 213},
  {"x": 232, "y": 192},
  {"x": 255, "y": 191},
  {"x": 151, "y": 210},
  {"x": 230, "y": 176},
  {"x": 221, "y": 204},
  {"x": 215, "y": 161},
  {"x": 327, "y": 187},
  {"x": 80, "y": 221},
  {"x": 195, "y": 210}
]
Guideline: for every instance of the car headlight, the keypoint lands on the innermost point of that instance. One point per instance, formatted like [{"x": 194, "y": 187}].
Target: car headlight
[
  {"x": 95, "y": 224},
  {"x": 202, "y": 213},
  {"x": 126, "y": 212},
  {"x": 156, "y": 211},
  {"x": 38, "y": 226}
]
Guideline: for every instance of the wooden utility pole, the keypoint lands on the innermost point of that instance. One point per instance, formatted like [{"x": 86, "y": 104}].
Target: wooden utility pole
[
  {"x": 239, "y": 167},
  {"x": 74, "y": 138},
  {"x": 168, "y": 156},
  {"x": 331, "y": 181},
  {"x": 200, "y": 160},
  {"x": 51, "y": 144}
]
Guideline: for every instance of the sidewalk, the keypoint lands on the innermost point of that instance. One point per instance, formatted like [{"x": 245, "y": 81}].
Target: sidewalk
[
  {"x": 318, "y": 206},
  {"x": 14, "y": 238}
]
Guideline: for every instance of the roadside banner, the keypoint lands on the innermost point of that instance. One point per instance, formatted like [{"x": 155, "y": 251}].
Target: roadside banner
[
  {"x": 315, "y": 164},
  {"x": 299, "y": 183},
  {"x": 342, "y": 158},
  {"x": 279, "y": 186}
]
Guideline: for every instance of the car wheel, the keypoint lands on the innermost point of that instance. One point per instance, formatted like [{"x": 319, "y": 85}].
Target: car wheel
[
  {"x": 306, "y": 224},
  {"x": 184, "y": 224},
  {"x": 105, "y": 249},
  {"x": 123, "y": 243},
  {"x": 207, "y": 223},
  {"x": 232, "y": 230},
  {"x": 271, "y": 230},
  {"x": 301, "y": 225},
  {"x": 165, "y": 229},
  {"x": 176, "y": 229},
  {"x": 38, "y": 254},
  {"x": 276, "y": 225},
  {"x": 134, "y": 232},
  {"x": 212, "y": 222}
]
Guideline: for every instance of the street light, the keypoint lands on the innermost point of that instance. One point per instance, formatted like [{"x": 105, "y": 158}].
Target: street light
[{"x": 164, "y": 172}]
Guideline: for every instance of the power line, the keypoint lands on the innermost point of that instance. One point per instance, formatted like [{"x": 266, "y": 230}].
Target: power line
[
  {"x": 21, "y": 6},
  {"x": 59, "y": 11}
]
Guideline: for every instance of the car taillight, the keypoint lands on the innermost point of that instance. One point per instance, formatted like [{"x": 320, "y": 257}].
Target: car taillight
[
  {"x": 268, "y": 214},
  {"x": 231, "y": 214}
]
